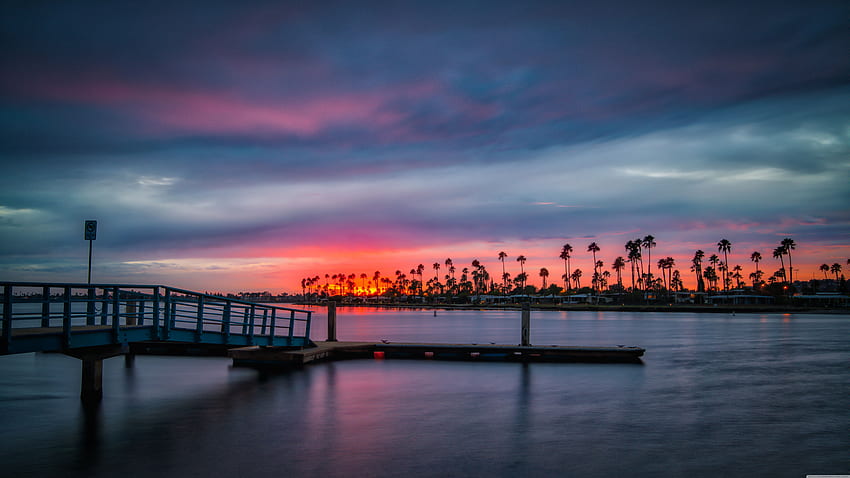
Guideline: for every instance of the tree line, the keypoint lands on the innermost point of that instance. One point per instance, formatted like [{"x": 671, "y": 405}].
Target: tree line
[{"x": 631, "y": 272}]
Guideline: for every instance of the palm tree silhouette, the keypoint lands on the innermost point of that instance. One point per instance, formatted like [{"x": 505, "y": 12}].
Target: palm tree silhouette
[
  {"x": 824, "y": 268},
  {"x": 544, "y": 273},
  {"x": 576, "y": 276},
  {"x": 502, "y": 256},
  {"x": 778, "y": 253},
  {"x": 725, "y": 246},
  {"x": 789, "y": 245},
  {"x": 593, "y": 248},
  {"x": 521, "y": 259},
  {"x": 634, "y": 255},
  {"x": 836, "y": 269},
  {"x": 697, "y": 268},
  {"x": 756, "y": 257},
  {"x": 648, "y": 242},
  {"x": 565, "y": 255},
  {"x": 618, "y": 265}
]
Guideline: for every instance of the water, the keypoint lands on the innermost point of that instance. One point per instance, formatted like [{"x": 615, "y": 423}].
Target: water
[{"x": 717, "y": 395}]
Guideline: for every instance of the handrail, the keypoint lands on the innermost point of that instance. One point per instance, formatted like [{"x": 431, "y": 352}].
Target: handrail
[{"x": 133, "y": 312}]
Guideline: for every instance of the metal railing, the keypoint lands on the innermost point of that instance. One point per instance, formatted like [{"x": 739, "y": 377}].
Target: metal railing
[{"x": 52, "y": 316}]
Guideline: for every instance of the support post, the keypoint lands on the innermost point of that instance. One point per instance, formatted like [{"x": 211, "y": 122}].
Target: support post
[
  {"x": 89, "y": 276},
  {"x": 45, "y": 307},
  {"x": 7, "y": 317},
  {"x": 91, "y": 386},
  {"x": 526, "y": 324},
  {"x": 331, "y": 321},
  {"x": 155, "y": 311},
  {"x": 66, "y": 319},
  {"x": 199, "y": 320},
  {"x": 130, "y": 308}
]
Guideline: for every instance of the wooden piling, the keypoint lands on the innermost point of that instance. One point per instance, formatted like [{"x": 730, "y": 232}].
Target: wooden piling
[
  {"x": 331, "y": 321},
  {"x": 91, "y": 385},
  {"x": 526, "y": 325}
]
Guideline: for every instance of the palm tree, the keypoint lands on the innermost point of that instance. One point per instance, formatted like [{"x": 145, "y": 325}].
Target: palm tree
[
  {"x": 593, "y": 248},
  {"x": 619, "y": 264},
  {"x": 502, "y": 256},
  {"x": 789, "y": 245},
  {"x": 648, "y": 243},
  {"x": 576, "y": 276},
  {"x": 697, "y": 268},
  {"x": 544, "y": 273},
  {"x": 725, "y": 246},
  {"x": 756, "y": 257},
  {"x": 836, "y": 269},
  {"x": 737, "y": 275},
  {"x": 676, "y": 281},
  {"x": 521, "y": 259},
  {"x": 778, "y": 253},
  {"x": 363, "y": 277},
  {"x": 824, "y": 268},
  {"x": 633, "y": 248},
  {"x": 565, "y": 255}
]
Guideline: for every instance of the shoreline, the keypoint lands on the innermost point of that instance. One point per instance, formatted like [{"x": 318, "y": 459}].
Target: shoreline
[{"x": 718, "y": 309}]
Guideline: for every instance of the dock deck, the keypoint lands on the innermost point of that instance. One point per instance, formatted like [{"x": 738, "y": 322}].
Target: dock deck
[{"x": 258, "y": 356}]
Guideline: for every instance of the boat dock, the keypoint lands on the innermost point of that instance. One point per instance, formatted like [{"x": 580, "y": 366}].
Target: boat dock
[{"x": 260, "y": 356}]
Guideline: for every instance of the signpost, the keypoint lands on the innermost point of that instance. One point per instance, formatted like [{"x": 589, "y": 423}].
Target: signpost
[{"x": 91, "y": 235}]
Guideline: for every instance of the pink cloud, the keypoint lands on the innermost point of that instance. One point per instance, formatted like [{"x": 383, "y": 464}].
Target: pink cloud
[{"x": 209, "y": 111}]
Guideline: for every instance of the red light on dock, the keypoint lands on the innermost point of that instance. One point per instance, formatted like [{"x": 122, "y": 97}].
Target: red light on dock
[
  {"x": 378, "y": 354},
  {"x": 429, "y": 354}
]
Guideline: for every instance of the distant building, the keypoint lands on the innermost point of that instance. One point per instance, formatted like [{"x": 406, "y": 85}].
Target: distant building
[
  {"x": 740, "y": 299},
  {"x": 823, "y": 299},
  {"x": 689, "y": 297}
]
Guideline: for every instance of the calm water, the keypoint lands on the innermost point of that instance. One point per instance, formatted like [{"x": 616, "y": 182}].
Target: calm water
[{"x": 717, "y": 395}]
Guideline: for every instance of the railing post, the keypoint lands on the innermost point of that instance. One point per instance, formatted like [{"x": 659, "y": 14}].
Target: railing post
[
  {"x": 272, "y": 326},
  {"x": 199, "y": 327},
  {"x": 251, "y": 326},
  {"x": 90, "y": 319},
  {"x": 116, "y": 314},
  {"x": 307, "y": 328},
  {"x": 166, "y": 320},
  {"x": 130, "y": 312},
  {"x": 66, "y": 319},
  {"x": 7, "y": 317},
  {"x": 265, "y": 320},
  {"x": 225, "y": 322},
  {"x": 104, "y": 308},
  {"x": 291, "y": 325},
  {"x": 45, "y": 306},
  {"x": 141, "y": 316},
  {"x": 156, "y": 313}
]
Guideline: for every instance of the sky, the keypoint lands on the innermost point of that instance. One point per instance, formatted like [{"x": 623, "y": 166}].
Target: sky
[{"x": 236, "y": 146}]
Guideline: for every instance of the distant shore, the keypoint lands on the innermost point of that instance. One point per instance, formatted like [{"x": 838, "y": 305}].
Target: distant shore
[{"x": 708, "y": 309}]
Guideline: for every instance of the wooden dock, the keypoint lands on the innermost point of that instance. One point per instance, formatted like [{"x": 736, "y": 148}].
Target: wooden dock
[{"x": 259, "y": 356}]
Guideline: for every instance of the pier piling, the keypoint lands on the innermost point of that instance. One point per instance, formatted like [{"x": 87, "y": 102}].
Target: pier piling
[
  {"x": 91, "y": 386},
  {"x": 331, "y": 321},
  {"x": 526, "y": 325}
]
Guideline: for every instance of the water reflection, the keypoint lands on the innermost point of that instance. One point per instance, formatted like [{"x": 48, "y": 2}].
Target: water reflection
[{"x": 716, "y": 395}]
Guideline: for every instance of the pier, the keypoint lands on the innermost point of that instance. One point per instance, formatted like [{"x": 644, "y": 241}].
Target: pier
[
  {"x": 280, "y": 357},
  {"x": 93, "y": 322}
]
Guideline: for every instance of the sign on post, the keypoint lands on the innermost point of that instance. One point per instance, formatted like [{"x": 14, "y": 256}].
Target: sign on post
[
  {"x": 91, "y": 230},
  {"x": 90, "y": 235}
]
